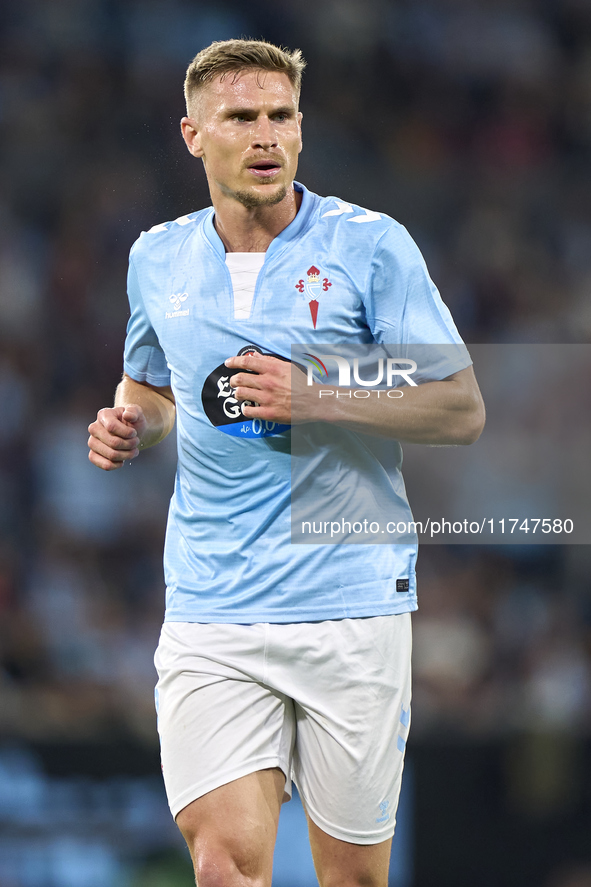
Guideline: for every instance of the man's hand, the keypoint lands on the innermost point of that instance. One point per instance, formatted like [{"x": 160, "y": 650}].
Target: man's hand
[
  {"x": 115, "y": 436},
  {"x": 278, "y": 389}
]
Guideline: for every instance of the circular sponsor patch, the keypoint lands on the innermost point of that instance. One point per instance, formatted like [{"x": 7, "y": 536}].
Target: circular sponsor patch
[{"x": 225, "y": 412}]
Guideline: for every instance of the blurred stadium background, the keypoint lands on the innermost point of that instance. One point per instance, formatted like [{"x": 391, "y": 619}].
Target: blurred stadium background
[{"x": 470, "y": 122}]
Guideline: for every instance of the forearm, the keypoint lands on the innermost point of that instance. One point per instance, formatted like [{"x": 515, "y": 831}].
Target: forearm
[
  {"x": 428, "y": 414},
  {"x": 450, "y": 412},
  {"x": 158, "y": 408}
]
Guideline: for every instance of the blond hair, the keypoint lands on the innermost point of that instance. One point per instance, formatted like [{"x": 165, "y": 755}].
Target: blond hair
[{"x": 225, "y": 56}]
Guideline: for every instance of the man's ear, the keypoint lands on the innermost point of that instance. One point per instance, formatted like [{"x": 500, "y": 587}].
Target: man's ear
[
  {"x": 299, "y": 119},
  {"x": 192, "y": 136}
]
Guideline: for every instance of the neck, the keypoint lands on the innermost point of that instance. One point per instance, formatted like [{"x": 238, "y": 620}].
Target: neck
[{"x": 244, "y": 230}]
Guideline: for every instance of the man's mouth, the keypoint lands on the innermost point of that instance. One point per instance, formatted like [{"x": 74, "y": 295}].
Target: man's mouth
[{"x": 264, "y": 169}]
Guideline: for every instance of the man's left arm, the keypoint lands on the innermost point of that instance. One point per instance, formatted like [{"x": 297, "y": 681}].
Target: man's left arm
[
  {"x": 401, "y": 304},
  {"x": 444, "y": 413}
]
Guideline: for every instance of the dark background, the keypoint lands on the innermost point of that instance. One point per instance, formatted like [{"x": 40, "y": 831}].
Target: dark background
[{"x": 470, "y": 123}]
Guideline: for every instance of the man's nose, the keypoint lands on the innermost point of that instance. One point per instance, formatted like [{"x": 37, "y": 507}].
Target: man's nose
[{"x": 264, "y": 135}]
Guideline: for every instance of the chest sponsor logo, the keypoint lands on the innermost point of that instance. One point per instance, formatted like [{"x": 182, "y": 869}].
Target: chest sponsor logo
[
  {"x": 176, "y": 300},
  {"x": 313, "y": 288},
  {"x": 225, "y": 412}
]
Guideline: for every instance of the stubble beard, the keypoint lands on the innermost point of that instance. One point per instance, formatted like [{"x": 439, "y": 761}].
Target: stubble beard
[{"x": 250, "y": 200}]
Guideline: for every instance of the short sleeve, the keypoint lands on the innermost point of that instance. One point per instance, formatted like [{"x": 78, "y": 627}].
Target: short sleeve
[
  {"x": 404, "y": 308},
  {"x": 144, "y": 359}
]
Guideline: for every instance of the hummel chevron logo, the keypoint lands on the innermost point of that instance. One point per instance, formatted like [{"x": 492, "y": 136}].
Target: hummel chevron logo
[
  {"x": 177, "y": 300},
  {"x": 368, "y": 215},
  {"x": 342, "y": 208},
  {"x": 182, "y": 220}
]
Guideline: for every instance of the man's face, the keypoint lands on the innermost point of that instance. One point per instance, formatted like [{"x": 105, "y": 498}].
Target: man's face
[{"x": 246, "y": 127}]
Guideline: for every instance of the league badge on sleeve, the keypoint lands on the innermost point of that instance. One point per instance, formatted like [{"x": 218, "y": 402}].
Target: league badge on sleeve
[{"x": 225, "y": 412}]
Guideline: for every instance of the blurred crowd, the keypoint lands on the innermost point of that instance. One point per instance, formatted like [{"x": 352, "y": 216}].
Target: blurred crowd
[
  {"x": 469, "y": 122},
  {"x": 77, "y": 831}
]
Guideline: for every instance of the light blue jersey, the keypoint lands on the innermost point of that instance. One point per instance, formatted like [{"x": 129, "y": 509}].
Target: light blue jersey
[{"x": 337, "y": 274}]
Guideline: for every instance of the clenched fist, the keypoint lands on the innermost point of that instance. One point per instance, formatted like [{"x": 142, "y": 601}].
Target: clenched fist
[{"x": 115, "y": 436}]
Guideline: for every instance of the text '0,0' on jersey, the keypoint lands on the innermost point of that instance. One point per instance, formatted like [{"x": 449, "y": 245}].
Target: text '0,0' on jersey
[{"x": 337, "y": 274}]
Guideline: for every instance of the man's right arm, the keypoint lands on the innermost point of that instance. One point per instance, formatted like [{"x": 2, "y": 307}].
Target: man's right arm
[{"x": 142, "y": 416}]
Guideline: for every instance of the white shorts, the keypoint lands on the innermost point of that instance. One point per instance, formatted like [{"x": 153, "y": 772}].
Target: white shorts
[{"x": 326, "y": 702}]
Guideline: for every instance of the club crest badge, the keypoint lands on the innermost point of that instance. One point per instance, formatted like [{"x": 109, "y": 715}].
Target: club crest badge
[{"x": 312, "y": 288}]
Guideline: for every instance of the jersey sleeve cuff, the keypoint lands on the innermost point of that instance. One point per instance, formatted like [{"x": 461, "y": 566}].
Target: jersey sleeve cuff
[{"x": 159, "y": 380}]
